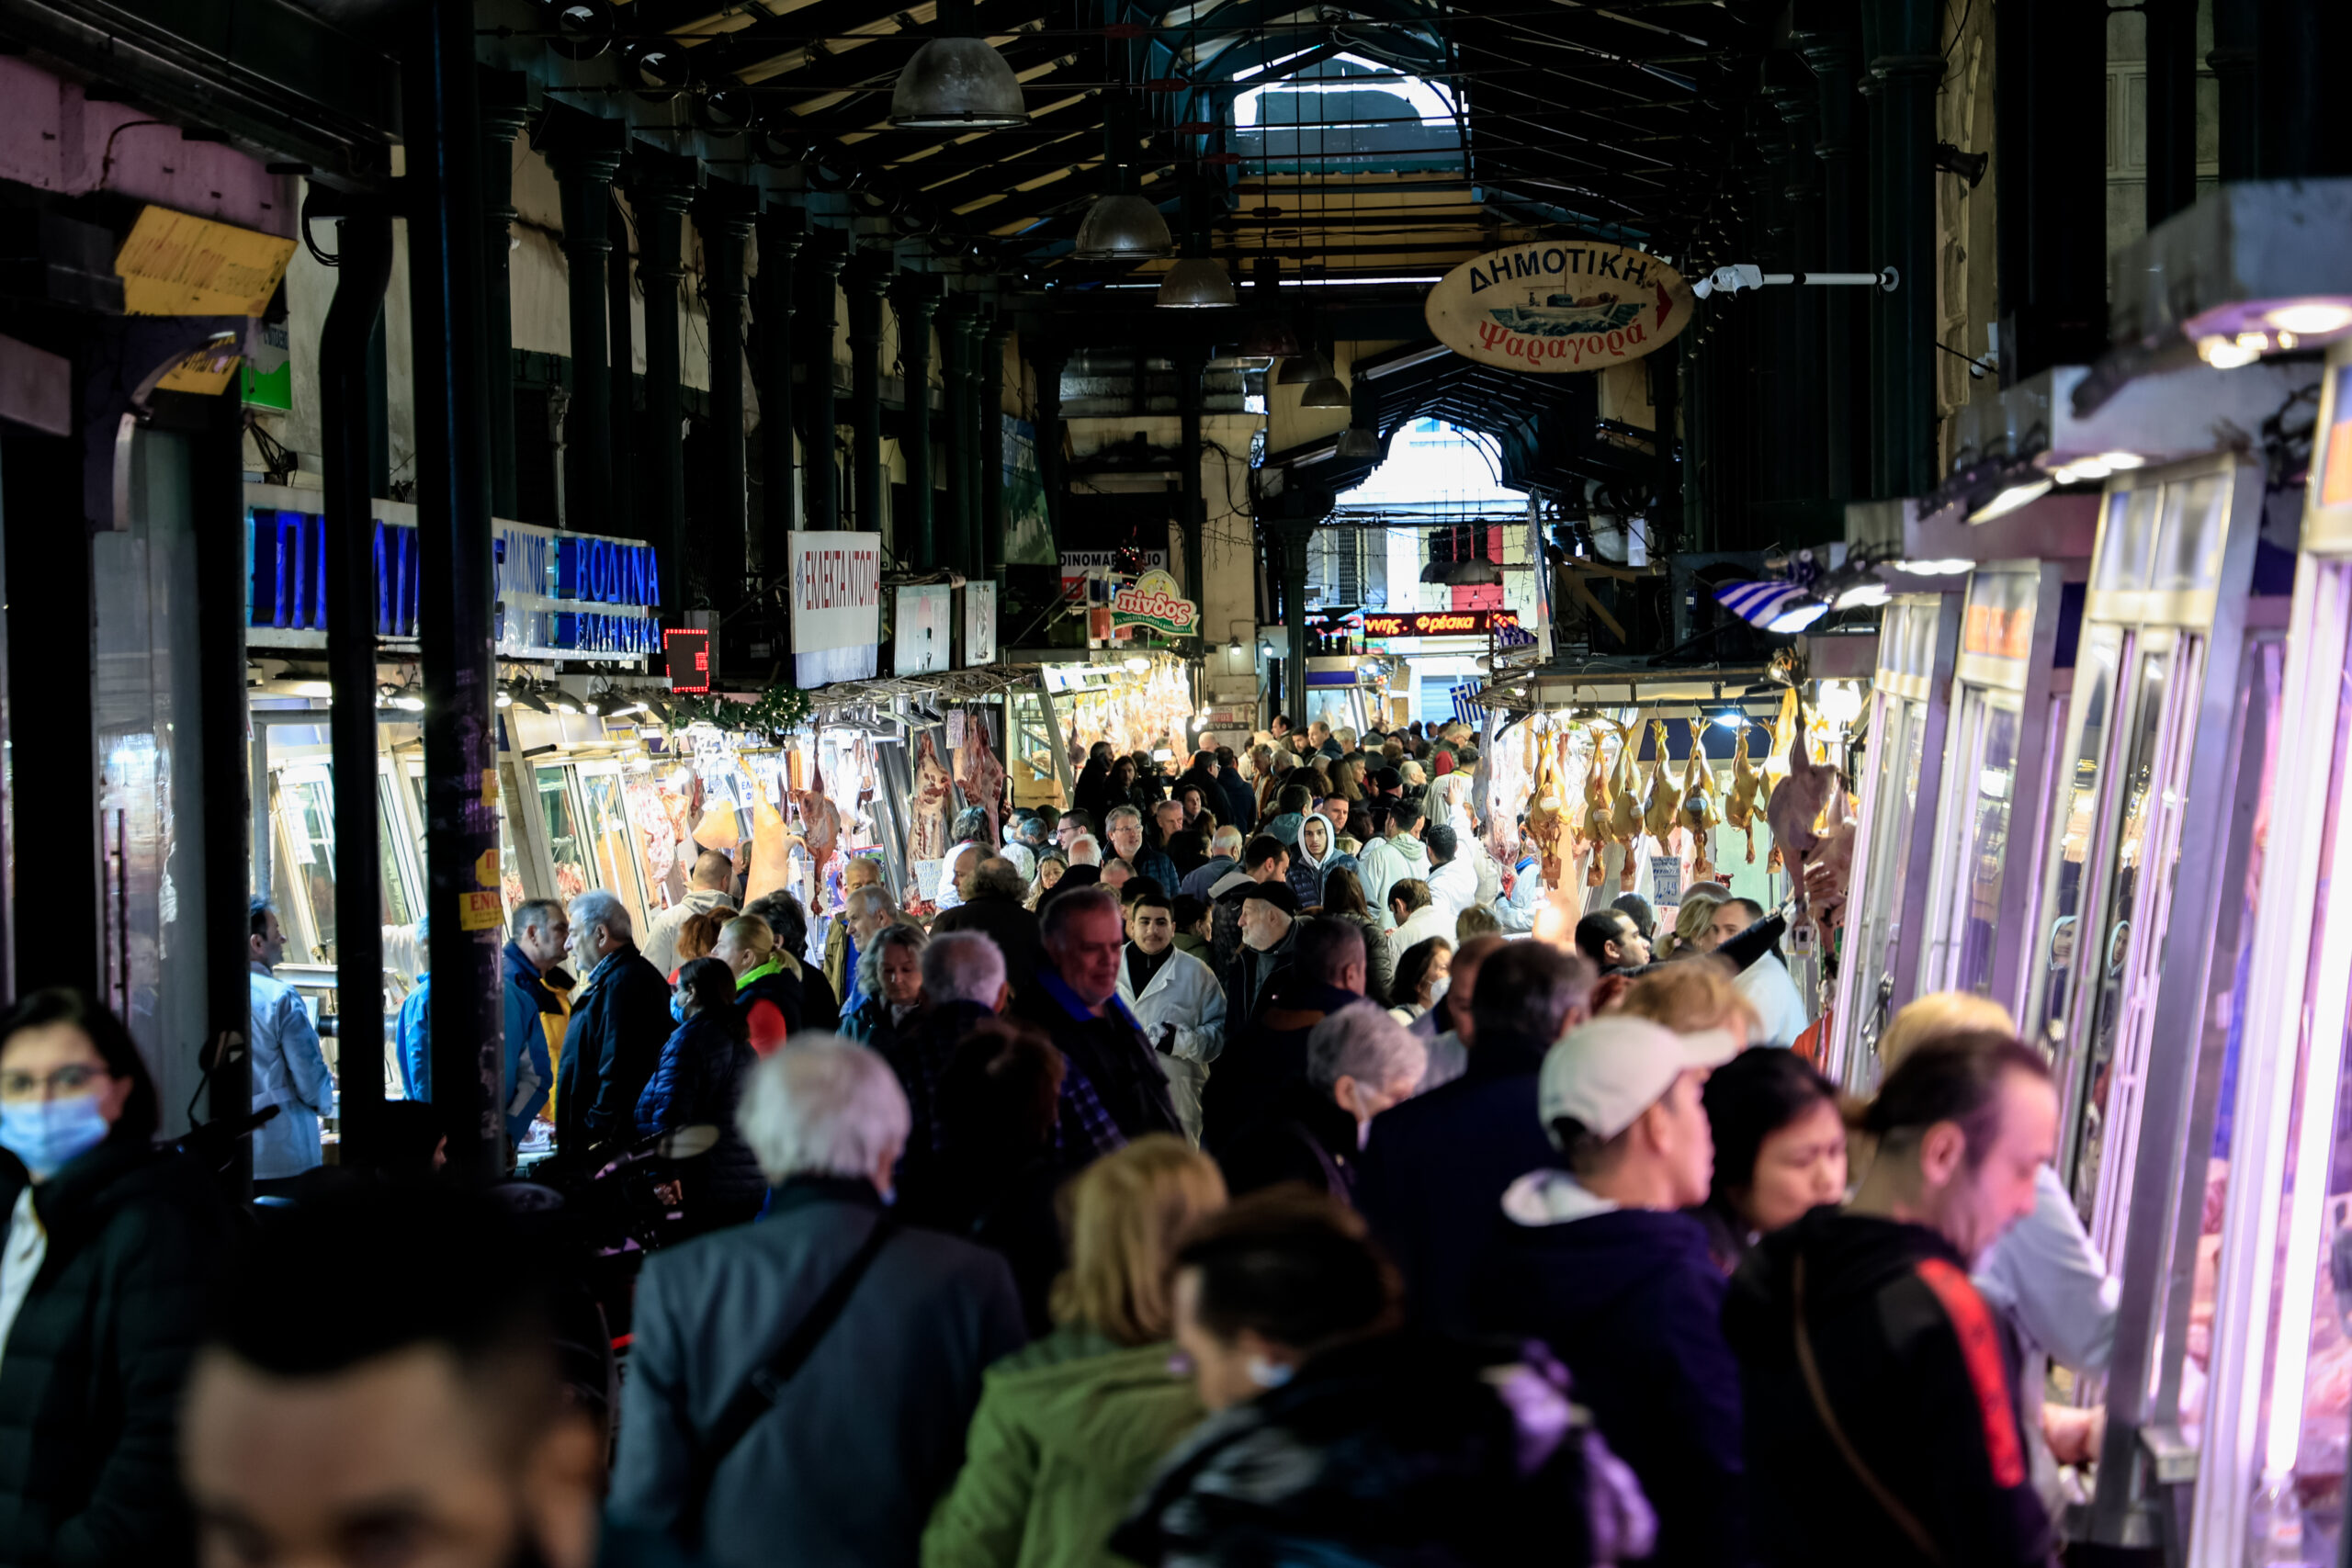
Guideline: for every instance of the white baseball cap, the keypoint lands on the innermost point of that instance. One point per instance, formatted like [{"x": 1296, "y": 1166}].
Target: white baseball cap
[{"x": 1604, "y": 1074}]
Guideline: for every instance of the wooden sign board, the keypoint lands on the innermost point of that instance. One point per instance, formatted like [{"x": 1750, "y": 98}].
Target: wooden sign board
[{"x": 1558, "y": 305}]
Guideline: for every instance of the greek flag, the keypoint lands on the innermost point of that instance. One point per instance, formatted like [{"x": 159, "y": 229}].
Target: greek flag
[{"x": 1759, "y": 603}]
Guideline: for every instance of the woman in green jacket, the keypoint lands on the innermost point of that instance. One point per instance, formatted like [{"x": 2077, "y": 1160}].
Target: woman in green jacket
[{"x": 1070, "y": 1430}]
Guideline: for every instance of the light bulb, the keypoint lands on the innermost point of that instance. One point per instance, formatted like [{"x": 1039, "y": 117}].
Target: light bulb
[
  {"x": 2223, "y": 355},
  {"x": 2311, "y": 318}
]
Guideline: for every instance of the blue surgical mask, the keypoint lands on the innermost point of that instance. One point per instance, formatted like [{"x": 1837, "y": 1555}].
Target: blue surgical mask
[
  {"x": 45, "y": 1133},
  {"x": 678, "y": 1006}
]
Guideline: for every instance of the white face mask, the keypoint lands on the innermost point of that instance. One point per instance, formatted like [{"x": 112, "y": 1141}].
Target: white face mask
[{"x": 1270, "y": 1374}]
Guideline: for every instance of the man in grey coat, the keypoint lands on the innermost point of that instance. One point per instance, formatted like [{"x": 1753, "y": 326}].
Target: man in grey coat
[{"x": 842, "y": 1470}]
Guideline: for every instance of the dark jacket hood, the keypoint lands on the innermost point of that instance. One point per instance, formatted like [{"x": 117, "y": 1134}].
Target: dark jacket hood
[
  {"x": 1590, "y": 1264},
  {"x": 1847, "y": 1256}
]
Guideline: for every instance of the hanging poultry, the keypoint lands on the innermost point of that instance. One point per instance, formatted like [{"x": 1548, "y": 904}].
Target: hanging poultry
[
  {"x": 1597, "y": 810},
  {"x": 1547, "y": 816},
  {"x": 1624, "y": 809},
  {"x": 1698, "y": 813},
  {"x": 1664, "y": 798},
  {"x": 1747, "y": 784}
]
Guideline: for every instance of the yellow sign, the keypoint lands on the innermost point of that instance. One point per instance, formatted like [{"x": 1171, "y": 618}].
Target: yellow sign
[
  {"x": 479, "y": 912},
  {"x": 208, "y": 371},
  {"x": 176, "y": 264},
  {"x": 486, "y": 868},
  {"x": 1558, "y": 305}
]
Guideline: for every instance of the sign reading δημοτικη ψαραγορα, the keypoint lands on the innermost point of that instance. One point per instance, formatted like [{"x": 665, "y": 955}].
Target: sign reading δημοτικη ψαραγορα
[{"x": 1558, "y": 305}]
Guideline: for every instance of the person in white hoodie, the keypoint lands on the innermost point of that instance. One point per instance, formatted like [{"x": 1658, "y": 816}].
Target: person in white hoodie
[
  {"x": 1525, "y": 895},
  {"x": 1453, "y": 879},
  {"x": 1416, "y": 916},
  {"x": 1175, "y": 997},
  {"x": 1395, "y": 854}
]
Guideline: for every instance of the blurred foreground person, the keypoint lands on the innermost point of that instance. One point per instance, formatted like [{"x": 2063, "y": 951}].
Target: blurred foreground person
[
  {"x": 112, "y": 1249},
  {"x": 1878, "y": 1387},
  {"x": 798, "y": 1389},
  {"x": 1336, "y": 1440},
  {"x": 419, "y": 1422},
  {"x": 1070, "y": 1430}
]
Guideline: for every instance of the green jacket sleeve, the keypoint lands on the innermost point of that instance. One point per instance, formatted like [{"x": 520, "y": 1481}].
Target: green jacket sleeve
[{"x": 981, "y": 1521}]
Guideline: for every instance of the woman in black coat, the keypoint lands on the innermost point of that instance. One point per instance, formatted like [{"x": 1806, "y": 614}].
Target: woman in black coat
[
  {"x": 123, "y": 1242},
  {"x": 700, "y": 1080}
]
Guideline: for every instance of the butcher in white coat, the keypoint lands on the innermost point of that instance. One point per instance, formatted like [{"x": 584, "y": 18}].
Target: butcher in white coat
[{"x": 1175, "y": 997}]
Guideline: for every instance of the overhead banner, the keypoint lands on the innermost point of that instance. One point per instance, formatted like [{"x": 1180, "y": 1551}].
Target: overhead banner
[{"x": 1558, "y": 306}]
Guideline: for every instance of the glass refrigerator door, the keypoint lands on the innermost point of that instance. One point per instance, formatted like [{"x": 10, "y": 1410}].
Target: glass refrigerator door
[
  {"x": 1895, "y": 802},
  {"x": 2271, "y": 1485},
  {"x": 566, "y": 845},
  {"x": 2072, "y": 837},
  {"x": 612, "y": 839},
  {"x": 304, "y": 811},
  {"x": 1970, "y": 862}
]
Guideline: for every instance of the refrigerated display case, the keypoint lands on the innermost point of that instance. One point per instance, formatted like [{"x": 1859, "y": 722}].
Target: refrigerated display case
[
  {"x": 2015, "y": 670},
  {"x": 2136, "y": 952},
  {"x": 2277, "y": 1281},
  {"x": 1910, "y": 703}
]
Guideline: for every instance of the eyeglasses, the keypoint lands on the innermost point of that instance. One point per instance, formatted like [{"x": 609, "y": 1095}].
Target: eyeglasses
[{"x": 63, "y": 1083}]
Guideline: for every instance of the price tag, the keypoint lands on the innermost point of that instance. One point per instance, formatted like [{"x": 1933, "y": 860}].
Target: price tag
[
  {"x": 955, "y": 729},
  {"x": 1666, "y": 882}
]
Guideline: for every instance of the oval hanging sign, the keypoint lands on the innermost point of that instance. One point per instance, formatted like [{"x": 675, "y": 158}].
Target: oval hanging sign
[{"x": 1559, "y": 305}]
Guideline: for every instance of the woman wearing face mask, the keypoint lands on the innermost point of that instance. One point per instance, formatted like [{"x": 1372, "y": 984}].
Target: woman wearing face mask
[
  {"x": 111, "y": 1254},
  {"x": 1333, "y": 1438},
  {"x": 697, "y": 1082},
  {"x": 1780, "y": 1149}
]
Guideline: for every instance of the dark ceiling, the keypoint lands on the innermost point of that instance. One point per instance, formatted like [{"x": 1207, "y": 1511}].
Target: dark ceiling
[{"x": 1552, "y": 117}]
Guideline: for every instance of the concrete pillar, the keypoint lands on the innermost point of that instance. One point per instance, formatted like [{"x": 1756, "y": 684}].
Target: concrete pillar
[
  {"x": 585, "y": 154},
  {"x": 820, "y": 265},
  {"x": 783, "y": 231},
  {"x": 863, "y": 281},
  {"x": 915, "y": 298},
  {"x": 662, "y": 188}
]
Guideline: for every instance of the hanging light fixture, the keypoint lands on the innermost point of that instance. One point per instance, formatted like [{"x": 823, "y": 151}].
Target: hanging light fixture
[
  {"x": 1121, "y": 226},
  {"x": 956, "y": 82},
  {"x": 1195, "y": 283},
  {"x": 1357, "y": 442},
  {"x": 1269, "y": 336},
  {"x": 1326, "y": 391},
  {"x": 1304, "y": 370}
]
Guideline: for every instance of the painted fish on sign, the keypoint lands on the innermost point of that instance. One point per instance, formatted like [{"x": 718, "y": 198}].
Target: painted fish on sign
[{"x": 1559, "y": 306}]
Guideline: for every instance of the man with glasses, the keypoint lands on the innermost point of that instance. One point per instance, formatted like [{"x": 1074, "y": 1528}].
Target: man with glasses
[
  {"x": 290, "y": 1070},
  {"x": 535, "y": 1011}
]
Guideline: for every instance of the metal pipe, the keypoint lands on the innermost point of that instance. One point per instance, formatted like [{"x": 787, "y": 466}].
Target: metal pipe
[
  {"x": 503, "y": 112},
  {"x": 862, "y": 281},
  {"x": 988, "y": 450},
  {"x": 822, "y": 265},
  {"x": 217, "y": 485},
  {"x": 620, "y": 289},
  {"x": 364, "y": 255},
  {"x": 454, "y": 616},
  {"x": 724, "y": 217},
  {"x": 915, "y": 298},
  {"x": 783, "y": 229},
  {"x": 662, "y": 188},
  {"x": 584, "y": 170}
]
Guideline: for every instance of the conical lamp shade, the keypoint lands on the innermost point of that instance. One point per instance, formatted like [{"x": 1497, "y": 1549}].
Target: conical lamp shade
[
  {"x": 957, "y": 83},
  {"x": 1302, "y": 370},
  {"x": 1326, "y": 392},
  {"x": 1269, "y": 338},
  {"x": 1195, "y": 283},
  {"x": 1357, "y": 442},
  {"x": 1123, "y": 228}
]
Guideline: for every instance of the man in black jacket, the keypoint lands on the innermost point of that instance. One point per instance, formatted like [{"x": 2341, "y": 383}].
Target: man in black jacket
[
  {"x": 1863, "y": 1348},
  {"x": 1267, "y": 858},
  {"x": 998, "y": 909},
  {"x": 1360, "y": 1062},
  {"x": 1435, "y": 1168},
  {"x": 1114, "y": 1091},
  {"x": 1268, "y": 920},
  {"x": 1262, "y": 1060},
  {"x": 1240, "y": 800},
  {"x": 620, "y": 1020},
  {"x": 1598, "y": 1261}
]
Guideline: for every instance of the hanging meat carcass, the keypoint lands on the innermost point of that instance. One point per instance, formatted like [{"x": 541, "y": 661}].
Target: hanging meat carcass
[
  {"x": 928, "y": 811},
  {"x": 983, "y": 776},
  {"x": 1796, "y": 807}
]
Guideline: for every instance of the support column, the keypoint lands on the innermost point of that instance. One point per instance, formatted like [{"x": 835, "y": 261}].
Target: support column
[
  {"x": 987, "y": 447},
  {"x": 366, "y": 253},
  {"x": 217, "y": 494},
  {"x": 662, "y": 188},
  {"x": 2237, "y": 53},
  {"x": 864, "y": 280},
  {"x": 821, "y": 264},
  {"x": 2302, "y": 135},
  {"x": 1908, "y": 69},
  {"x": 956, "y": 551},
  {"x": 585, "y": 155},
  {"x": 1294, "y": 534},
  {"x": 783, "y": 229},
  {"x": 2172, "y": 108},
  {"x": 2050, "y": 137},
  {"x": 1191, "y": 361},
  {"x": 620, "y": 289},
  {"x": 915, "y": 298},
  {"x": 454, "y": 619},
  {"x": 1803, "y": 463},
  {"x": 1047, "y": 360},
  {"x": 503, "y": 112},
  {"x": 723, "y": 217},
  {"x": 976, "y": 547},
  {"x": 1833, "y": 59}
]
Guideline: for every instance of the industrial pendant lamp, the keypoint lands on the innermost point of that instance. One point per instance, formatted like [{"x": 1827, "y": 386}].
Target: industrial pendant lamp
[
  {"x": 1326, "y": 391},
  {"x": 1195, "y": 283},
  {"x": 1121, "y": 226},
  {"x": 1357, "y": 442},
  {"x": 956, "y": 82},
  {"x": 1302, "y": 370},
  {"x": 1269, "y": 336}
]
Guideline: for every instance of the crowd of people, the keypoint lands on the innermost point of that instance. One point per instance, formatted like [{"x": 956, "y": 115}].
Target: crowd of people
[{"x": 1118, "y": 1225}]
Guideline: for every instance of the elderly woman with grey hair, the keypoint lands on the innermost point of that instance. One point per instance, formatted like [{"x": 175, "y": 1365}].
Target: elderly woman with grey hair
[
  {"x": 1360, "y": 1062},
  {"x": 801, "y": 1481},
  {"x": 889, "y": 973}
]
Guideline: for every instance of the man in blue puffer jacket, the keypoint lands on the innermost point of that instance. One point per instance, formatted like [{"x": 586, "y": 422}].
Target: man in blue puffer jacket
[{"x": 536, "y": 943}]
